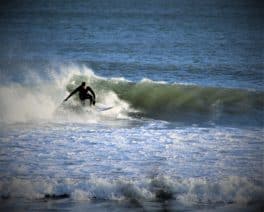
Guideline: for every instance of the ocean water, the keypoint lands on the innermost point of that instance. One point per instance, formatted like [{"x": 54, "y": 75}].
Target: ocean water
[{"x": 185, "y": 83}]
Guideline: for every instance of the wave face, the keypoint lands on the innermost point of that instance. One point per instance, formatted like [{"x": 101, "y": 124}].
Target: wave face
[{"x": 179, "y": 102}]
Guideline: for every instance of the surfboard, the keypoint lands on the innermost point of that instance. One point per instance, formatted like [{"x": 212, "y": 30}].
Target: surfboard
[{"x": 103, "y": 108}]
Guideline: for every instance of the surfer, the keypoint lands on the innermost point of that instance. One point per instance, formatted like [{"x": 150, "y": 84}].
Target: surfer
[{"x": 83, "y": 93}]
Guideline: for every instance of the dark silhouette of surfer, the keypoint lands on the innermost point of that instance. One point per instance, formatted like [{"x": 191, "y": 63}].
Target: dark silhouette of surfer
[{"x": 83, "y": 93}]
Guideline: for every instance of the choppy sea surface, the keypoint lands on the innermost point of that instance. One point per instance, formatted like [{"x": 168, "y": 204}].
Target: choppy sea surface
[{"x": 184, "y": 80}]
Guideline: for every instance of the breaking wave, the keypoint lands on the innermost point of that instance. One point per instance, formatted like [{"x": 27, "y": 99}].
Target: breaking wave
[
  {"x": 177, "y": 102},
  {"x": 42, "y": 100},
  {"x": 189, "y": 191},
  {"x": 158, "y": 100}
]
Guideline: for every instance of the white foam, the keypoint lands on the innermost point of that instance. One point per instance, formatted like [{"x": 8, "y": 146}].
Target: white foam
[
  {"x": 119, "y": 79},
  {"x": 22, "y": 104},
  {"x": 147, "y": 80},
  {"x": 188, "y": 191}
]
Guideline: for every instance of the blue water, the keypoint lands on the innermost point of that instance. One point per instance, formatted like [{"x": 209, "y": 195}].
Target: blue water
[{"x": 185, "y": 79}]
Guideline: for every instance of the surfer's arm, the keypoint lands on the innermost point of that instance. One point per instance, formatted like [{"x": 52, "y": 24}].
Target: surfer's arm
[
  {"x": 92, "y": 92},
  {"x": 72, "y": 93}
]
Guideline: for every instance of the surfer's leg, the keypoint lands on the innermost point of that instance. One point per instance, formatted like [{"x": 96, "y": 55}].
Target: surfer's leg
[{"x": 88, "y": 96}]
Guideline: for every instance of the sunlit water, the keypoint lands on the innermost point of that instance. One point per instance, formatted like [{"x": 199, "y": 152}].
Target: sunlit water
[{"x": 138, "y": 164}]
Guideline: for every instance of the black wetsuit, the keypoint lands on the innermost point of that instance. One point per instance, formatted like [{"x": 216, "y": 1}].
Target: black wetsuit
[{"x": 83, "y": 94}]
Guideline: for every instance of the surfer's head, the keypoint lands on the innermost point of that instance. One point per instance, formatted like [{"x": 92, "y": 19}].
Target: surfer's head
[{"x": 83, "y": 84}]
